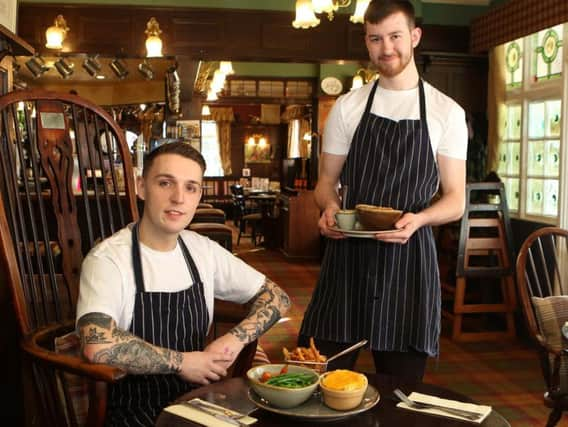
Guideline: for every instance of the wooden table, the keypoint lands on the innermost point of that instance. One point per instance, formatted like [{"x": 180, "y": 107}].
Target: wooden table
[{"x": 385, "y": 413}]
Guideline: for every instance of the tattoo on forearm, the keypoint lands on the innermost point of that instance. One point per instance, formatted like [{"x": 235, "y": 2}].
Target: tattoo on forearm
[
  {"x": 139, "y": 357},
  {"x": 126, "y": 350},
  {"x": 267, "y": 308}
]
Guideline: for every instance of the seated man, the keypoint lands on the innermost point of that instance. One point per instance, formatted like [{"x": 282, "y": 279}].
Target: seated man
[{"x": 146, "y": 295}]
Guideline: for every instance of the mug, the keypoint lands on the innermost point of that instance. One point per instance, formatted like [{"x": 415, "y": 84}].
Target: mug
[{"x": 346, "y": 219}]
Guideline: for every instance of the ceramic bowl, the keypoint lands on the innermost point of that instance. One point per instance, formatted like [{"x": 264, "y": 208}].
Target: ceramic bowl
[
  {"x": 348, "y": 397},
  {"x": 281, "y": 397},
  {"x": 377, "y": 217}
]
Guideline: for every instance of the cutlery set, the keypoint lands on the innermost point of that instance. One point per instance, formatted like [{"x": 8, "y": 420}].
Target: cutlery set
[{"x": 229, "y": 416}]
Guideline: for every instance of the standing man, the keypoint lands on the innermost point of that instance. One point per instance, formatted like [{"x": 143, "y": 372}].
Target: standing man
[
  {"x": 392, "y": 143},
  {"x": 146, "y": 295}
]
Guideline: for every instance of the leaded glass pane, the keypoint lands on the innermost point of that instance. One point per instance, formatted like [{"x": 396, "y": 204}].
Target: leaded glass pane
[
  {"x": 502, "y": 159},
  {"x": 512, "y": 192},
  {"x": 552, "y": 158},
  {"x": 550, "y": 197},
  {"x": 547, "y": 53},
  {"x": 514, "y": 63},
  {"x": 535, "y": 158},
  {"x": 536, "y": 120},
  {"x": 271, "y": 88},
  {"x": 553, "y": 118},
  {"x": 535, "y": 196},
  {"x": 513, "y": 122},
  {"x": 514, "y": 164}
]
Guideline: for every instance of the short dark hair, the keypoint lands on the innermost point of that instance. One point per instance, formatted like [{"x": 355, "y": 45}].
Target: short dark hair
[
  {"x": 178, "y": 147},
  {"x": 380, "y": 9}
]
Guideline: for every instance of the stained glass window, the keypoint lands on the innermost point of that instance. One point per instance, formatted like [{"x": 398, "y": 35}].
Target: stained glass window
[
  {"x": 547, "y": 53},
  {"x": 509, "y": 157},
  {"x": 543, "y": 158},
  {"x": 514, "y": 63}
]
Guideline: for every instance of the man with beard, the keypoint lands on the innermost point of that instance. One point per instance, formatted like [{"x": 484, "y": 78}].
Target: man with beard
[{"x": 392, "y": 143}]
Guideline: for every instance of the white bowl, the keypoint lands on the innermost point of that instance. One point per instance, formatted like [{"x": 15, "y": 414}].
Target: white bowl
[{"x": 281, "y": 397}]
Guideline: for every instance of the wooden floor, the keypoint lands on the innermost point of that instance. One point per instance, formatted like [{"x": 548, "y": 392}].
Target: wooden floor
[{"x": 505, "y": 375}]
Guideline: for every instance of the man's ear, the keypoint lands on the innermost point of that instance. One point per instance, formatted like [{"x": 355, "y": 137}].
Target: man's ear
[
  {"x": 416, "y": 35},
  {"x": 140, "y": 187}
]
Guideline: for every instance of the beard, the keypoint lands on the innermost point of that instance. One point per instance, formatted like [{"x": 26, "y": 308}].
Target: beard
[{"x": 392, "y": 68}]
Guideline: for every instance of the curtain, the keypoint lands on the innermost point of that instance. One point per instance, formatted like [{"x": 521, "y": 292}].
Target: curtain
[
  {"x": 223, "y": 117},
  {"x": 496, "y": 113}
]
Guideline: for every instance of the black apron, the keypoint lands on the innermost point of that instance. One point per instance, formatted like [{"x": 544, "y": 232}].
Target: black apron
[
  {"x": 174, "y": 320},
  {"x": 384, "y": 292}
]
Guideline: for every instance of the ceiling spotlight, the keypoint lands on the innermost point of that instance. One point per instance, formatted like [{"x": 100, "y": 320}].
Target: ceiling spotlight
[
  {"x": 37, "y": 66},
  {"x": 146, "y": 70},
  {"x": 119, "y": 68},
  {"x": 65, "y": 68},
  {"x": 92, "y": 66}
]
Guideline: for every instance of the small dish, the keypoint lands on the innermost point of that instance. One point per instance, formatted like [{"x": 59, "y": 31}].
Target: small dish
[
  {"x": 362, "y": 234},
  {"x": 377, "y": 217}
]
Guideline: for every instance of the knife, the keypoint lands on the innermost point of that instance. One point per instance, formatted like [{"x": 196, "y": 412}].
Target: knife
[{"x": 213, "y": 412}]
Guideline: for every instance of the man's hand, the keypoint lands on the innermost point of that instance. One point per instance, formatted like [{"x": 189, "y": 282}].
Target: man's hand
[
  {"x": 406, "y": 226},
  {"x": 326, "y": 221},
  {"x": 202, "y": 367},
  {"x": 228, "y": 345}
]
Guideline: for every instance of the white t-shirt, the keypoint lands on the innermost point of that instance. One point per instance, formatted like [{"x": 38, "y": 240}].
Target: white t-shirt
[
  {"x": 107, "y": 276},
  {"x": 445, "y": 118}
]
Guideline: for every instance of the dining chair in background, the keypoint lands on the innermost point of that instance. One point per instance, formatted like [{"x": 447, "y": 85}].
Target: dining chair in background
[{"x": 542, "y": 280}]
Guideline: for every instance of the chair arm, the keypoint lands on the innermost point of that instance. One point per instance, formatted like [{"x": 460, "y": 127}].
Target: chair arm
[{"x": 35, "y": 346}]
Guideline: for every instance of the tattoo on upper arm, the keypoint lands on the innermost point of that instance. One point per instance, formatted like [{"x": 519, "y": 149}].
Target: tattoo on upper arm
[{"x": 266, "y": 310}]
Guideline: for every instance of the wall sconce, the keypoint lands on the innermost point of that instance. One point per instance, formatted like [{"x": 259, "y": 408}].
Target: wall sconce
[
  {"x": 92, "y": 66},
  {"x": 226, "y": 67},
  {"x": 257, "y": 139},
  {"x": 119, "y": 68},
  {"x": 306, "y": 10},
  {"x": 146, "y": 70},
  {"x": 64, "y": 68},
  {"x": 363, "y": 76},
  {"x": 205, "y": 110},
  {"x": 37, "y": 66},
  {"x": 153, "y": 40},
  {"x": 211, "y": 95},
  {"x": 55, "y": 34}
]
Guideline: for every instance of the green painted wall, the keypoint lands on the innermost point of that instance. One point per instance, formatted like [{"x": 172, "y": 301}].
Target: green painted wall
[
  {"x": 450, "y": 14},
  {"x": 275, "y": 69},
  {"x": 440, "y": 14}
]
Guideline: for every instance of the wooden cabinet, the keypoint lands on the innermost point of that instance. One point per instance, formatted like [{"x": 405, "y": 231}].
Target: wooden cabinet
[{"x": 299, "y": 221}]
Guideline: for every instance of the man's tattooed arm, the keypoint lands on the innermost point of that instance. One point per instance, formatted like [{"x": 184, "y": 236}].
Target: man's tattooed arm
[
  {"x": 269, "y": 304},
  {"x": 103, "y": 342}
]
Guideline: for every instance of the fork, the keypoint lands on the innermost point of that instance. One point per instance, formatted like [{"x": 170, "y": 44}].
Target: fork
[
  {"x": 231, "y": 419},
  {"x": 472, "y": 416}
]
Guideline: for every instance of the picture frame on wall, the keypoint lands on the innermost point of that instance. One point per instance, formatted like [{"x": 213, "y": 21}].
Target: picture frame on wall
[{"x": 8, "y": 14}]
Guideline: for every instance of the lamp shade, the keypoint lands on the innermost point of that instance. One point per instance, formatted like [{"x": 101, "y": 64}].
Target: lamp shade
[
  {"x": 358, "y": 16},
  {"x": 55, "y": 34},
  {"x": 326, "y": 6},
  {"x": 153, "y": 47},
  {"x": 357, "y": 82},
  {"x": 305, "y": 17},
  {"x": 226, "y": 67},
  {"x": 205, "y": 110}
]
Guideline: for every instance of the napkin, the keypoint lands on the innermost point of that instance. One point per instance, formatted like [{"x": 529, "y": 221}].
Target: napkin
[
  {"x": 424, "y": 398},
  {"x": 195, "y": 415}
]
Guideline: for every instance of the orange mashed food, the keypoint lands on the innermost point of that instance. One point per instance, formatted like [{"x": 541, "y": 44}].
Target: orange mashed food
[{"x": 343, "y": 379}]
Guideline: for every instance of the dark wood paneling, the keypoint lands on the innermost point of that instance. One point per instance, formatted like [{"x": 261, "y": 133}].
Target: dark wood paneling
[{"x": 213, "y": 34}]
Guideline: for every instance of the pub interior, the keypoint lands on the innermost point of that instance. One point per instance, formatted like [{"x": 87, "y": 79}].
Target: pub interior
[{"x": 240, "y": 83}]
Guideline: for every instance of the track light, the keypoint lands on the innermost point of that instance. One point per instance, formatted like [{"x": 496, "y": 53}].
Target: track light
[
  {"x": 92, "y": 66},
  {"x": 37, "y": 66},
  {"x": 64, "y": 68},
  {"x": 146, "y": 70},
  {"x": 119, "y": 68}
]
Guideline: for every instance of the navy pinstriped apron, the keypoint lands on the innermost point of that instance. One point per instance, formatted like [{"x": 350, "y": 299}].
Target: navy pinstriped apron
[
  {"x": 384, "y": 292},
  {"x": 174, "y": 320}
]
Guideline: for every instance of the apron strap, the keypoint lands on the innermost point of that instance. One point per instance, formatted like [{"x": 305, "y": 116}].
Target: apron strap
[
  {"x": 137, "y": 261},
  {"x": 422, "y": 99},
  {"x": 370, "y": 98}
]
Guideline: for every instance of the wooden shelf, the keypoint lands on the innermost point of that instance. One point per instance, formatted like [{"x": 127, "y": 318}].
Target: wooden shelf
[{"x": 11, "y": 44}]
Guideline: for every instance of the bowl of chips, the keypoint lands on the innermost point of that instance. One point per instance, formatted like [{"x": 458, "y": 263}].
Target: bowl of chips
[{"x": 308, "y": 357}]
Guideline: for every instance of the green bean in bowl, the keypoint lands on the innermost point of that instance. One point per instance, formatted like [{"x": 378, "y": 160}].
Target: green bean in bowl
[{"x": 282, "y": 385}]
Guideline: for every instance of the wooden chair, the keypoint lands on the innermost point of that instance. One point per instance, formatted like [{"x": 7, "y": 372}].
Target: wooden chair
[
  {"x": 221, "y": 233},
  {"x": 209, "y": 215},
  {"x": 63, "y": 188},
  {"x": 542, "y": 280}
]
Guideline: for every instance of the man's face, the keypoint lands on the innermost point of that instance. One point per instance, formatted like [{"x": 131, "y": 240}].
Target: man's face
[
  {"x": 391, "y": 43},
  {"x": 171, "y": 190}
]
